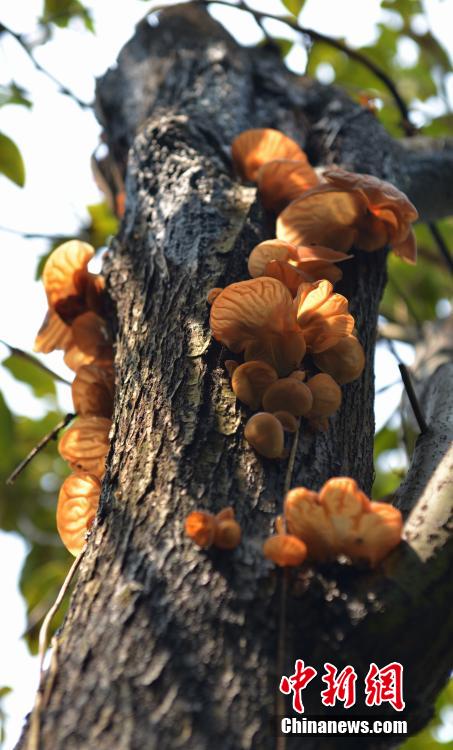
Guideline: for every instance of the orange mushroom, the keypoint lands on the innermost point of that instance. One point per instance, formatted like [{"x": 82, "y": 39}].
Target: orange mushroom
[
  {"x": 342, "y": 520},
  {"x": 213, "y": 293},
  {"x": 200, "y": 527},
  {"x": 265, "y": 434},
  {"x": 344, "y": 361},
  {"x": 282, "y": 180},
  {"x": 326, "y": 399},
  {"x": 85, "y": 444},
  {"x": 288, "y": 394},
  {"x": 65, "y": 276},
  {"x": 351, "y": 209},
  {"x": 288, "y": 421},
  {"x": 250, "y": 380},
  {"x": 92, "y": 391},
  {"x": 322, "y": 315},
  {"x": 91, "y": 334},
  {"x": 285, "y": 550},
  {"x": 258, "y": 317},
  {"x": 256, "y": 147},
  {"x": 227, "y": 533},
  {"x": 291, "y": 265},
  {"x": 77, "y": 505},
  {"x": 53, "y": 334}
]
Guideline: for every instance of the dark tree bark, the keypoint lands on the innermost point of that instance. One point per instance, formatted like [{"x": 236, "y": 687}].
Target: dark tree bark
[{"x": 165, "y": 646}]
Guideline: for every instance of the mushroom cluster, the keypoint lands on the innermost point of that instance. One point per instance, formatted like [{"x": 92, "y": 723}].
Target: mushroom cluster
[
  {"x": 220, "y": 530},
  {"x": 75, "y": 322},
  {"x": 339, "y": 520}
]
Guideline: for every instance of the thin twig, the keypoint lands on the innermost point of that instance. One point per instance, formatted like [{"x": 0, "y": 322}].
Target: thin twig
[
  {"x": 412, "y": 396},
  {"x": 280, "y": 703},
  {"x": 33, "y": 235},
  {"x": 42, "y": 443},
  {"x": 61, "y": 87},
  {"x": 34, "y": 361},
  {"x": 441, "y": 244}
]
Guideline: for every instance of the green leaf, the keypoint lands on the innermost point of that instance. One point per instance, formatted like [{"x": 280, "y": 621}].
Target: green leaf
[
  {"x": 285, "y": 45},
  {"x": 385, "y": 440},
  {"x": 6, "y": 429},
  {"x": 103, "y": 224},
  {"x": 61, "y": 12},
  {"x": 294, "y": 6},
  {"x": 11, "y": 162},
  {"x": 27, "y": 372},
  {"x": 13, "y": 94}
]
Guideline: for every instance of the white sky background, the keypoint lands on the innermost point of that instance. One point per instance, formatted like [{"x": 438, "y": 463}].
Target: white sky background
[{"x": 56, "y": 139}]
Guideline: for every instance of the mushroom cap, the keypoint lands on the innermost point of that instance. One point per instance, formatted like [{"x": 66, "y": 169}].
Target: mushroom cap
[
  {"x": 91, "y": 333},
  {"x": 287, "y": 420},
  {"x": 322, "y": 315},
  {"x": 65, "y": 273},
  {"x": 53, "y": 334},
  {"x": 283, "y": 180},
  {"x": 258, "y": 316},
  {"x": 250, "y": 380},
  {"x": 85, "y": 444},
  {"x": 326, "y": 395},
  {"x": 213, "y": 293},
  {"x": 227, "y": 534},
  {"x": 75, "y": 358},
  {"x": 255, "y": 147},
  {"x": 77, "y": 505},
  {"x": 344, "y": 361},
  {"x": 377, "y": 533},
  {"x": 92, "y": 391},
  {"x": 307, "y": 518},
  {"x": 285, "y": 550},
  {"x": 200, "y": 527},
  {"x": 288, "y": 394},
  {"x": 265, "y": 434}
]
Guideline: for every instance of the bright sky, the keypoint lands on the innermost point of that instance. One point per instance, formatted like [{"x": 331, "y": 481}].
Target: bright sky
[{"x": 57, "y": 138}]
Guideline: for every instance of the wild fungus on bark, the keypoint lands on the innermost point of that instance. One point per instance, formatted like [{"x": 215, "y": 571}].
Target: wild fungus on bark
[
  {"x": 341, "y": 519},
  {"x": 206, "y": 529},
  {"x": 322, "y": 315},
  {"x": 326, "y": 395},
  {"x": 265, "y": 434},
  {"x": 292, "y": 265},
  {"x": 77, "y": 505},
  {"x": 253, "y": 148},
  {"x": 250, "y": 380},
  {"x": 53, "y": 334},
  {"x": 258, "y": 318},
  {"x": 283, "y": 180},
  {"x": 92, "y": 391},
  {"x": 85, "y": 444},
  {"x": 288, "y": 395},
  {"x": 351, "y": 210},
  {"x": 285, "y": 550},
  {"x": 344, "y": 361}
]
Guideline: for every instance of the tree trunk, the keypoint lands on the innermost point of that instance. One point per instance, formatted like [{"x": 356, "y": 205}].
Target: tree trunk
[{"x": 165, "y": 646}]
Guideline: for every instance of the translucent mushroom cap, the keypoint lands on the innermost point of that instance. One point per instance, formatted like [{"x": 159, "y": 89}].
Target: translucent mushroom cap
[
  {"x": 285, "y": 550},
  {"x": 250, "y": 380},
  {"x": 200, "y": 527},
  {"x": 265, "y": 434},
  {"x": 344, "y": 361},
  {"x": 92, "y": 391},
  {"x": 283, "y": 180},
  {"x": 77, "y": 505},
  {"x": 65, "y": 276},
  {"x": 289, "y": 395},
  {"x": 326, "y": 395},
  {"x": 322, "y": 315},
  {"x": 258, "y": 146},
  {"x": 85, "y": 444},
  {"x": 53, "y": 334}
]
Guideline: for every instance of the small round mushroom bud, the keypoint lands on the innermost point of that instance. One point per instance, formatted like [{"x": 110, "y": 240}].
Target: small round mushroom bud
[
  {"x": 299, "y": 375},
  {"x": 288, "y": 394},
  {"x": 251, "y": 380},
  {"x": 326, "y": 397},
  {"x": 231, "y": 365},
  {"x": 200, "y": 526},
  {"x": 227, "y": 534},
  {"x": 265, "y": 434},
  {"x": 285, "y": 550},
  {"x": 225, "y": 513},
  {"x": 344, "y": 361},
  {"x": 213, "y": 293},
  {"x": 288, "y": 421}
]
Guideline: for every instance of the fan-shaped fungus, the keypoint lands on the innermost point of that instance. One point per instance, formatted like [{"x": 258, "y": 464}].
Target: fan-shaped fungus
[
  {"x": 91, "y": 334},
  {"x": 326, "y": 399},
  {"x": 288, "y": 421},
  {"x": 250, "y": 380},
  {"x": 256, "y": 147},
  {"x": 85, "y": 444},
  {"x": 227, "y": 534},
  {"x": 65, "y": 276},
  {"x": 258, "y": 317},
  {"x": 53, "y": 334},
  {"x": 306, "y": 517},
  {"x": 285, "y": 550},
  {"x": 200, "y": 527},
  {"x": 77, "y": 505},
  {"x": 92, "y": 391},
  {"x": 322, "y": 315},
  {"x": 344, "y": 361},
  {"x": 288, "y": 394},
  {"x": 265, "y": 434},
  {"x": 282, "y": 180}
]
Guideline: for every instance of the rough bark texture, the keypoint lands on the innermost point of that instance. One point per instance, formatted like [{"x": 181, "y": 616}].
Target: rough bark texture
[{"x": 165, "y": 646}]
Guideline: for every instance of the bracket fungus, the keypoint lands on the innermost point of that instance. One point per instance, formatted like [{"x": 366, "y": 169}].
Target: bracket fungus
[
  {"x": 250, "y": 380},
  {"x": 285, "y": 550},
  {"x": 326, "y": 399},
  {"x": 322, "y": 315},
  {"x": 292, "y": 265},
  {"x": 85, "y": 444},
  {"x": 53, "y": 334},
  {"x": 64, "y": 276},
  {"x": 258, "y": 317},
  {"x": 344, "y": 361},
  {"x": 77, "y": 505},
  {"x": 265, "y": 434},
  {"x": 92, "y": 391},
  {"x": 253, "y": 148},
  {"x": 341, "y": 519},
  {"x": 289, "y": 395},
  {"x": 283, "y": 180},
  {"x": 351, "y": 210}
]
